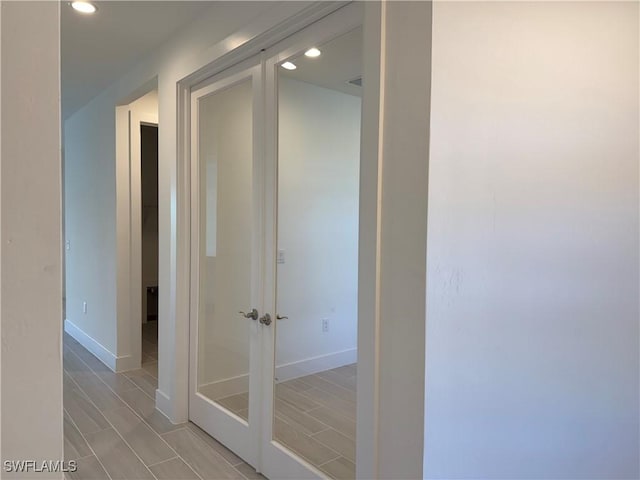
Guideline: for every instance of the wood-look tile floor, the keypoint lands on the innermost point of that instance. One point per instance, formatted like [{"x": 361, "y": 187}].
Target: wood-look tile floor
[
  {"x": 114, "y": 432},
  {"x": 315, "y": 418}
]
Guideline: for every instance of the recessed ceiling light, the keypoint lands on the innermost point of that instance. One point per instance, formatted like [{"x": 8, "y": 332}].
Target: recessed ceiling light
[
  {"x": 288, "y": 66},
  {"x": 83, "y": 7},
  {"x": 313, "y": 52}
]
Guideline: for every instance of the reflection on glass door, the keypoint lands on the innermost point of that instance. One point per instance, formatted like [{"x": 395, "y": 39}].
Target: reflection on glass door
[
  {"x": 319, "y": 108},
  {"x": 225, "y": 151}
]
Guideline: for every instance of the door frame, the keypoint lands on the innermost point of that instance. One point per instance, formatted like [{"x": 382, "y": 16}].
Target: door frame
[
  {"x": 129, "y": 229},
  {"x": 137, "y": 120},
  {"x": 369, "y": 235}
]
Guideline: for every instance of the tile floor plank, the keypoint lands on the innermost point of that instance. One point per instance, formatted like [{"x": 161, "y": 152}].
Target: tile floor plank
[
  {"x": 235, "y": 403},
  {"x": 347, "y": 370},
  {"x": 87, "y": 418},
  {"x": 74, "y": 445},
  {"x": 174, "y": 469},
  {"x": 88, "y": 468},
  {"x": 330, "y": 387},
  {"x": 147, "y": 383},
  {"x": 98, "y": 392},
  {"x": 302, "y": 401},
  {"x": 297, "y": 418},
  {"x": 297, "y": 384},
  {"x": 145, "y": 407},
  {"x": 322, "y": 397},
  {"x": 204, "y": 460},
  {"x": 117, "y": 458},
  {"x": 340, "y": 443},
  {"x": 117, "y": 382},
  {"x": 302, "y": 444},
  {"x": 338, "y": 379},
  {"x": 340, "y": 469},
  {"x": 151, "y": 368},
  {"x": 146, "y": 443},
  {"x": 335, "y": 420},
  {"x": 227, "y": 454}
]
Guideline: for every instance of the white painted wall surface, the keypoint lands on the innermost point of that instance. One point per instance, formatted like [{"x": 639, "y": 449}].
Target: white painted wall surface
[
  {"x": 532, "y": 322},
  {"x": 318, "y": 187},
  {"x": 31, "y": 236}
]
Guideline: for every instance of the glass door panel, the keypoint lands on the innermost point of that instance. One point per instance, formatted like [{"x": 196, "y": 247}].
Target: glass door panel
[
  {"x": 225, "y": 137},
  {"x": 319, "y": 108},
  {"x": 225, "y": 261}
]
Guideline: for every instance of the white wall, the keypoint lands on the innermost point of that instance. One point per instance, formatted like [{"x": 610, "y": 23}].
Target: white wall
[
  {"x": 318, "y": 169},
  {"x": 91, "y": 188},
  {"x": 31, "y": 236},
  {"x": 532, "y": 323}
]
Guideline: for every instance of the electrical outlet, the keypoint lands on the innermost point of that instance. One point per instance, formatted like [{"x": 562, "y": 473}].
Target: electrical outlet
[
  {"x": 325, "y": 325},
  {"x": 84, "y": 307}
]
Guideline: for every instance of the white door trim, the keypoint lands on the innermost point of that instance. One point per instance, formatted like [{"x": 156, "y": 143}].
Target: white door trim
[{"x": 129, "y": 236}]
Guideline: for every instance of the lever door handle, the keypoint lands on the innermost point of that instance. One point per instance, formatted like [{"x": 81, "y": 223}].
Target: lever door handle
[
  {"x": 265, "y": 319},
  {"x": 253, "y": 314},
  {"x": 281, "y": 317}
]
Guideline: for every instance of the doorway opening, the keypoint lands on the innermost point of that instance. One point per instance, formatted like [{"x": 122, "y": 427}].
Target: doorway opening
[
  {"x": 149, "y": 245},
  {"x": 274, "y": 247},
  {"x": 138, "y": 234}
]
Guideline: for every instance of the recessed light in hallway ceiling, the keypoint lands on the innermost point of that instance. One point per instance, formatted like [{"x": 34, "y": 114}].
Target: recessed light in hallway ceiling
[
  {"x": 84, "y": 7},
  {"x": 313, "y": 52}
]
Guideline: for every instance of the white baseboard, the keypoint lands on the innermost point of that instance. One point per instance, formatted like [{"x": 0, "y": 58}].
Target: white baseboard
[
  {"x": 289, "y": 371},
  {"x": 103, "y": 354},
  {"x": 126, "y": 362},
  {"x": 163, "y": 404},
  {"x": 292, "y": 370}
]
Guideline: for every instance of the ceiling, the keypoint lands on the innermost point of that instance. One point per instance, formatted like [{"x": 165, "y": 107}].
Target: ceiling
[
  {"x": 97, "y": 49},
  {"x": 340, "y": 62}
]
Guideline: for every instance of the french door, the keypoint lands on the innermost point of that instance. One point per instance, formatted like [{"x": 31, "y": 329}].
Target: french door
[{"x": 251, "y": 211}]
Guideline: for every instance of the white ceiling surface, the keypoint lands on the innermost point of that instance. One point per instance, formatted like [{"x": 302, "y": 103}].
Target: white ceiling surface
[
  {"x": 97, "y": 49},
  {"x": 340, "y": 62}
]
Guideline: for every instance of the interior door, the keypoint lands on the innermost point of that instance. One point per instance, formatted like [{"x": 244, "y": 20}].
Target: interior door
[
  {"x": 255, "y": 218},
  {"x": 226, "y": 257},
  {"x": 313, "y": 106}
]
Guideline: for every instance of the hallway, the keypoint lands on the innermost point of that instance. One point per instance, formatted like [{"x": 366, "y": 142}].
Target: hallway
[{"x": 112, "y": 429}]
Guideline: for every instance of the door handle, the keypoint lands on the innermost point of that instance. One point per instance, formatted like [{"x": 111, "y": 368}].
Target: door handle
[
  {"x": 281, "y": 317},
  {"x": 253, "y": 314},
  {"x": 265, "y": 319}
]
